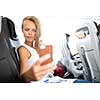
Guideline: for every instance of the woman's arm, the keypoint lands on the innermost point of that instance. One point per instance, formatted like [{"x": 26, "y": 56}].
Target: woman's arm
[
  {"x": 37, "y": 71},
  {"x": 25, "y": 72}
]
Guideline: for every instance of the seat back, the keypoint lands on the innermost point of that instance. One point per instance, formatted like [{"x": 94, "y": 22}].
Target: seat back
[
  {"x": 9, "y": 66},
  {"x": 89, "y": 50},
  {"x": 68, "y": 59}
]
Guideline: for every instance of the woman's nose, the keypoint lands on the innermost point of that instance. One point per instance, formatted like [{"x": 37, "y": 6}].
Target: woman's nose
[{"x": 30, "y": 32}]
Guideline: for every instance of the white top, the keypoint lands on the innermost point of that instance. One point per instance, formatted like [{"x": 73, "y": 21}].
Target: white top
[{"x": 34, "y": 55}]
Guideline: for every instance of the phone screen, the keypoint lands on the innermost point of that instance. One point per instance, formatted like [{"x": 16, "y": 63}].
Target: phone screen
[{"x": 46, "y": 50}]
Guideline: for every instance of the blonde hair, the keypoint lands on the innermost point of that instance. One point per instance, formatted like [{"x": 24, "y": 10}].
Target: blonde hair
[{"x": 38, "y": 28}]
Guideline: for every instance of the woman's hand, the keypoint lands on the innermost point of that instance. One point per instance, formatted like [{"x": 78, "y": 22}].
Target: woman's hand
[{"x": 39, "y": 70}]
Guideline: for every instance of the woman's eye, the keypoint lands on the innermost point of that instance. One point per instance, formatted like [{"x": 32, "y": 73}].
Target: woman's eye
[
  {"x": 33, "y": 30},
  {"x": 27, "y": 29}
]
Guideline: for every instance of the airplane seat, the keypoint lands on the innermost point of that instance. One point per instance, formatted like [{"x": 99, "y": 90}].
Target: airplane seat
[
  {"x": 89, "y": 50},
  {"x": 68, "y": 59},
  {"x": 9, "y": 66}
]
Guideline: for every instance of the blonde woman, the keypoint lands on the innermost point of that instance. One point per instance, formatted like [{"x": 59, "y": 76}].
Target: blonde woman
[{"x": 31, "y": 68}]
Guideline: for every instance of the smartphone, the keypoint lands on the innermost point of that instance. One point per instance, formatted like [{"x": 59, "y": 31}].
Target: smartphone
[{"x": 47, "y": 49}]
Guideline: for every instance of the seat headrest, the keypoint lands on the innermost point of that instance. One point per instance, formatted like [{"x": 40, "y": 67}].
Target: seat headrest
[{"x": 8, "y": 27}]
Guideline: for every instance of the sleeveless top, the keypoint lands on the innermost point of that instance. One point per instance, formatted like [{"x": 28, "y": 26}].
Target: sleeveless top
[{"x": 34, "y": 55}]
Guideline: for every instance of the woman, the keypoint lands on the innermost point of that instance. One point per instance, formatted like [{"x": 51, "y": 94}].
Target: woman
[{"x": 31, "y": 68}]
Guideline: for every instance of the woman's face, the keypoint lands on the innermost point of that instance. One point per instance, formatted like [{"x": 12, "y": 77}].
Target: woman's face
[{"x": 29, "y": 30}]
